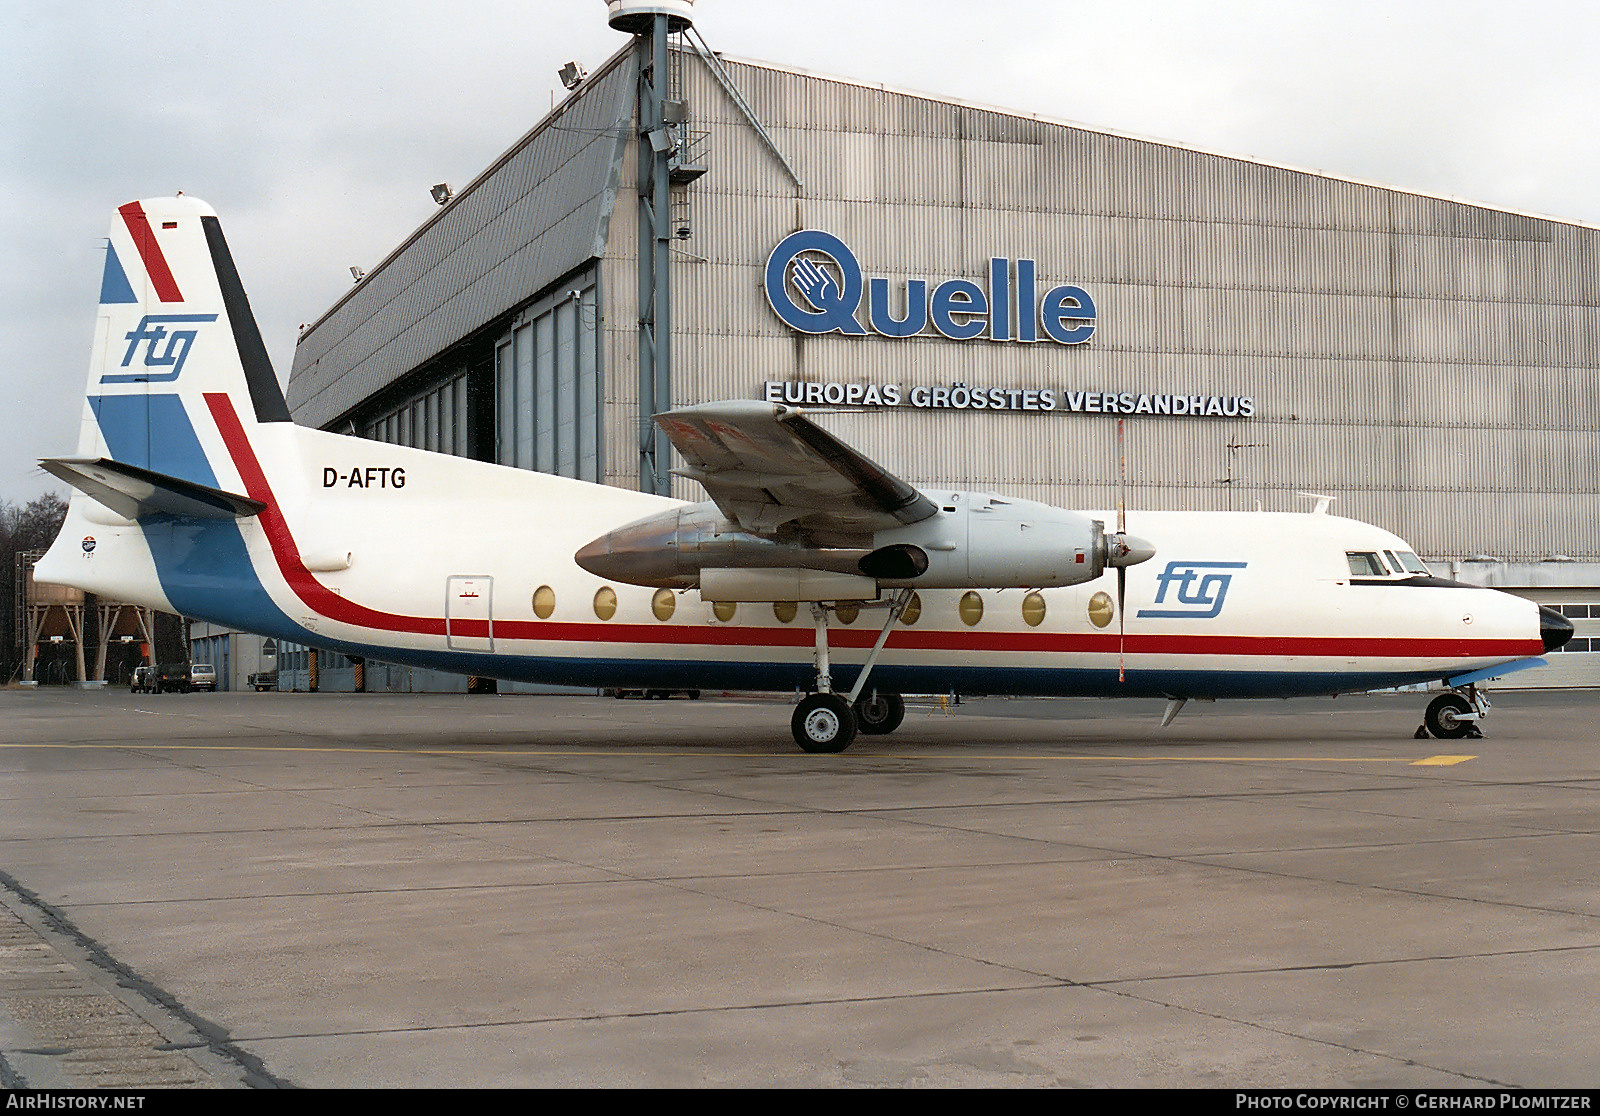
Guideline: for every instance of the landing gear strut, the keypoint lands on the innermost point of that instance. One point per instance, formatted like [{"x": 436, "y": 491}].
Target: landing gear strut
[
  {"x": 1454, "y": 715},
  {"x": 826, "y": 721}
]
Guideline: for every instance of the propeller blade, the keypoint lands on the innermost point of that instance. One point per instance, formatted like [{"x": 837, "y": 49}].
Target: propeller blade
[
  {"x": 1122, "y": 571},
  {"x": 1122, "y": 627}
]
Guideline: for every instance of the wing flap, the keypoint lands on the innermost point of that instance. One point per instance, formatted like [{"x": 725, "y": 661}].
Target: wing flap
[
  {"x": 767, "y": 466},
  {"x": 133, "y": 492}
]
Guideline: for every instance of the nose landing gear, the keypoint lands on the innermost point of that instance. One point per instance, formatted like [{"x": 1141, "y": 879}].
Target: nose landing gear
[{"x": 1454, "y": 715}]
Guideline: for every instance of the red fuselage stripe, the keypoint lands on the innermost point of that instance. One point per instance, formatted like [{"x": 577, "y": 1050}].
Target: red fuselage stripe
[
  {"x": 155, "y": 264},
  {"x": 326, "y": 603}
]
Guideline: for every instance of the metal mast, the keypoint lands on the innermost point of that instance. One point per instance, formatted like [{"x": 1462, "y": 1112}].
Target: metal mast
[{"x": 650, "y": 22}]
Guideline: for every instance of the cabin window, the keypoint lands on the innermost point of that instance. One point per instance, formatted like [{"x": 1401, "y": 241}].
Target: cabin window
[
  {"x": 1365, "y": 564},
  {"x": 784, "y": 610},
  {"x": 913, "y": 610},
  {"x": 605, "y": 602},
  {"x": 1100, "y": 609},
  {"x": 1033, "y": 609},
  {"x": 663, "y": 604},
  {"x": 970, "y": 609},
  {"x": 723, "y": 610},
  {"x": 544, "y": 602},
  {"x": 847, "y": 611}
]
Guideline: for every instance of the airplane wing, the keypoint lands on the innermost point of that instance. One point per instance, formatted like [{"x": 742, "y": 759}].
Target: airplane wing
[{"x": 768, "y": 467}]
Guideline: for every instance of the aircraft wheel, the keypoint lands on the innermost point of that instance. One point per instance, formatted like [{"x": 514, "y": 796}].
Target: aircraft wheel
[
  {"x": 1443, "y": 717},
  {"x": 880, "y": 713},
  {"x": 824, "y": 723}
]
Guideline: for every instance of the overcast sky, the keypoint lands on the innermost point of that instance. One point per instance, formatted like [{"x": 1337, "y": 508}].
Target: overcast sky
[{"x": 316, "y": 129}]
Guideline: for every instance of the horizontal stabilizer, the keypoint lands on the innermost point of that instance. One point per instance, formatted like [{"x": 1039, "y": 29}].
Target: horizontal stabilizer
[{"x": 133, "y": 492}]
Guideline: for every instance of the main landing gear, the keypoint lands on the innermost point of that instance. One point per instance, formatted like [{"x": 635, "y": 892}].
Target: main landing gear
[
  {"x": 1454, "y": 715},
  {"x": 828, "y": 722}
]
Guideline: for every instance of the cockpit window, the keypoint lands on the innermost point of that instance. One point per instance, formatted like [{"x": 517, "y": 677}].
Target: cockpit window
[
  {"x": 1412, "y": 563},
  {"x": 1365, "y": 564}
]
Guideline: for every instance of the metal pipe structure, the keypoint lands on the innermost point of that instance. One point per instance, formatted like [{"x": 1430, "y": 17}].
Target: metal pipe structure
[{"x": 655, "y": 148}]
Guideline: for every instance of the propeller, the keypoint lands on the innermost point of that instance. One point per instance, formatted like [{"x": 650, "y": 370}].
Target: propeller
[
  {"x": 1122, "y": 538},
  {"x": 1122, "y": 551}
]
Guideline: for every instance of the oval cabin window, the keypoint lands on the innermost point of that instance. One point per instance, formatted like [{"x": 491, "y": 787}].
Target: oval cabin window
[
  {"x": 1033, "y": 609},
  {"x": 1100, "y": 609},
  {"x": 663, "y": 604},
  {"x": 970, "y": 609},
  {"x": 605, "y": 602},
  {"x": 913, "y": 610},
  {"x": 544, "y": 602}
]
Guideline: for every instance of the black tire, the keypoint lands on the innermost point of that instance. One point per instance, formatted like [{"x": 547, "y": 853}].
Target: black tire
[
  {"x": 823, "y": 723},
  {"x": 880, "y": 713},
  {"x": 1443, "y": 717}
]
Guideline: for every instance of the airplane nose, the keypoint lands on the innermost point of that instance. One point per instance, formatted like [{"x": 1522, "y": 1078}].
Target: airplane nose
[{"x": 1554, "y": 628}]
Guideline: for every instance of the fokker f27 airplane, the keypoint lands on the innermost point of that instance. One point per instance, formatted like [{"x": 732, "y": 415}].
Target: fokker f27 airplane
[{"x": 810, "y": 569}]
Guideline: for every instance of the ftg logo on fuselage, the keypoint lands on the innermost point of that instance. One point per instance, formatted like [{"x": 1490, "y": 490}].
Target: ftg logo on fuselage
[
  {"x": 1200, "y": 589},
  {"x": 164, "y": 348},
  {"x": 814, "y": 283}
]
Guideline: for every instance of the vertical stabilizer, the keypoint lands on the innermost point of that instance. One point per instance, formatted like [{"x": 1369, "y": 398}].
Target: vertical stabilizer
[
  {"x": 157, "y": 516},
  {"x": 174, "y": 325}
]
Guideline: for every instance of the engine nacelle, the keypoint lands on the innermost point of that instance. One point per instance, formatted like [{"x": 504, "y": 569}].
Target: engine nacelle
[
  {"x": 979, "y": 541},
  {"x": 975, "y": 541},
  {"x": 669, "y": 550}
]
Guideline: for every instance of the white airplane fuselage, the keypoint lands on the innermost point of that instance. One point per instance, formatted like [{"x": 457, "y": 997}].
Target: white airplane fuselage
[
  {"x": 232, "y": 514},
  {"x": 423, "y": 558}
]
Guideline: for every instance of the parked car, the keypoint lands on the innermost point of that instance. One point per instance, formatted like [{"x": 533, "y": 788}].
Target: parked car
[
  {"x": 171, "y": 677},
  {"x": 203, "y": 676},
  {"x": 264, "y": 680},
  {"x": 143, "y": 681}
]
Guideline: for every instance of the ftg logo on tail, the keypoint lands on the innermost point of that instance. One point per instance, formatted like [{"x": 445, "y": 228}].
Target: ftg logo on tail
[{"x": 164, "y": 347}]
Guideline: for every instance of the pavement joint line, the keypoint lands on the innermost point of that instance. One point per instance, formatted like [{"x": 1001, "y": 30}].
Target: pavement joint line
[
  {"x": 213, "y": 1038},
  {"x": 1268, "y": 1028}
]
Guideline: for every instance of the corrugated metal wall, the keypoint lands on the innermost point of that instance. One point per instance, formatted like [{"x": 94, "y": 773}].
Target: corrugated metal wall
[
  {"x": 541, "y": 211},
  {"x": 1430, "y": 362}
]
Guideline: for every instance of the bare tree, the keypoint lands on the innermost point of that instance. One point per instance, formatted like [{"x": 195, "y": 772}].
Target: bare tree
[{"x": 32, "y": 526}]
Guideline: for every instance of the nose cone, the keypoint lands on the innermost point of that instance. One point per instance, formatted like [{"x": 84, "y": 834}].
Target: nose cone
[
  {"x": 1554, "y": 628},
  {"x": 1127, "y": 550}
]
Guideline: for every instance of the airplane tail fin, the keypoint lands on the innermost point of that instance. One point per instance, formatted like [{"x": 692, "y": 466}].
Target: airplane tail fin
[{"x": 174, "y": 330}]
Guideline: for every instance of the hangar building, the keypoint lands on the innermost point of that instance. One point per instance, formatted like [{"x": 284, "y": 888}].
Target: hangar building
[{"x": 999, "y": 288}]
